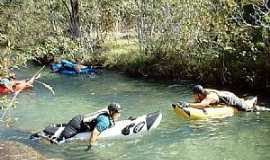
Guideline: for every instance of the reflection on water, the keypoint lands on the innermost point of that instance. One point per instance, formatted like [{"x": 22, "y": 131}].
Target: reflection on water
[{"x": 244, "y": 136}]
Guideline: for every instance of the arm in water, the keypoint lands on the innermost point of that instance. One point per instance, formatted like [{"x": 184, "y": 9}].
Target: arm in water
[
  {"x": 102, "y": 124},
  {"x": 93, "y": 138}
]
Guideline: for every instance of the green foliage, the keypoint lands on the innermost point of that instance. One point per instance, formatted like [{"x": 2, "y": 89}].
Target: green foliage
[
  {"x": 4, "y": 104},
  {"x": 9, "y": 58},
  {"x": 206, "y": 41}
]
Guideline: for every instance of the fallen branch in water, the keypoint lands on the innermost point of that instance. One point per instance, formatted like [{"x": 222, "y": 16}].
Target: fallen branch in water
[
  {"x": 8, "y": 110},
  {"x": 46, "y": 86}
]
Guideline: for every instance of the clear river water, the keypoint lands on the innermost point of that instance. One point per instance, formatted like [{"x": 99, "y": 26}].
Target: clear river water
[{"x": 244, "y": 136}]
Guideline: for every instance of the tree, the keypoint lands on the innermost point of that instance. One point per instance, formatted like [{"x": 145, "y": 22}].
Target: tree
[{"x": 74, "y": 17}]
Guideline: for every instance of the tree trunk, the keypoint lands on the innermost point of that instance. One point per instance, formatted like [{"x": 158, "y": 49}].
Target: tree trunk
[
  {"x": 75, "y": 19},
  {"x": 140, "y": 24}
]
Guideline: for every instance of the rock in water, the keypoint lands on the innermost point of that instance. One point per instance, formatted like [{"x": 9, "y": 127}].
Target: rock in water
[{"x": 11, "y": 150}]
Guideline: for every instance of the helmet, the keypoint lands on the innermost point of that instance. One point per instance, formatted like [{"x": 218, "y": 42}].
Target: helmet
[
  {"x": 114, "y": 107},
  {"x": 198, "y": 89}
]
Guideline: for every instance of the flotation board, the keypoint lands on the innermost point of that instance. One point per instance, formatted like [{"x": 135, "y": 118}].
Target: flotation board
[
  {"x": 203, "y": 114},
  {"x": 121, "y": 129},
  {"x": 218, "y": 111}
]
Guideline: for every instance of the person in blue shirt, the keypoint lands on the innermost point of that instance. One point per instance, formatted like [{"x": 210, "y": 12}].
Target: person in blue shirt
[
  {"x": 104, "y": 122},
  {"x": 95, "y": 124}
]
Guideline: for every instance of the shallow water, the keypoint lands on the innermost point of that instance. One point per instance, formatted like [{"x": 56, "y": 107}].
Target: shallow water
[{"x": 244, "y": 136}]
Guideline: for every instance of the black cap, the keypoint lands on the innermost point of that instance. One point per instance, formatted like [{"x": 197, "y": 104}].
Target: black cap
[
  {"x": 198, "y": 89},
  {"x": 114, "y": 107}
]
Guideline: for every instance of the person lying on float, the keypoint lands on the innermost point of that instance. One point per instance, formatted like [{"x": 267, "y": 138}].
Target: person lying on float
[{"x": 206, "y": 97}]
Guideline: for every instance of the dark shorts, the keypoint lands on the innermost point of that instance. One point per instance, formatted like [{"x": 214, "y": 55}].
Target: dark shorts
[
  {"x": 232, "y": 100},
  {"x": 73, "y": 127}
]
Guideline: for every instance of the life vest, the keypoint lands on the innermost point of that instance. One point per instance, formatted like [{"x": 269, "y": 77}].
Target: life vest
[
  {"x": 90, "y": 119},
  {"x": 91, "y": 116}
]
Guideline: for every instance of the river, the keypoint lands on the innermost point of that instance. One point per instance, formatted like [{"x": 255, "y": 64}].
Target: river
[{"x": 243, "y": 136}]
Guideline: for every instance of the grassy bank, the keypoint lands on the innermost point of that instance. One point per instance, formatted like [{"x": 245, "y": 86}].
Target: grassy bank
[{"x": 227, "y": 68}]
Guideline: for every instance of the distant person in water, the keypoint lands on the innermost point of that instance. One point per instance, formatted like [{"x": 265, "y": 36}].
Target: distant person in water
[
  {"x": 206, "y": 97},
  {"x": 8, "y": 81},
  {"x": 79, "y": 65}
]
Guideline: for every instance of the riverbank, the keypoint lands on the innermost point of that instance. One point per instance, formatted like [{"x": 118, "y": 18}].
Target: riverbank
[
  {"x": 209, "y": 42},
  {"x": 123, "y": 54}
]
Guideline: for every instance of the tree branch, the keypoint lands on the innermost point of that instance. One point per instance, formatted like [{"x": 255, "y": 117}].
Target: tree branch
[{"x": 66, "y": 5}]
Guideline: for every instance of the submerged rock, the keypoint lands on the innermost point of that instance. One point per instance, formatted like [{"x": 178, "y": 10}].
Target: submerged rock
[{"x": 11, "y": 150}]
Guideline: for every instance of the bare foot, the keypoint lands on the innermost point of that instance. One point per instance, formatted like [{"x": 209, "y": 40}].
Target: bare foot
[{"x": 251, "y": 103}]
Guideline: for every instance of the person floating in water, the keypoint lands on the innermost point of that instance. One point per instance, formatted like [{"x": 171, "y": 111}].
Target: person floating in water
[
  {"x": 206, "y": 97},
  {"x": 73, "y": 66},
  {"x": 88, "y": 122},
  {"x": 8, "y": 82}
]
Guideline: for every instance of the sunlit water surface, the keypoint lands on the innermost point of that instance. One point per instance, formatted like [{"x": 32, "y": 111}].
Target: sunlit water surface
[{"x": 245, "y": 136}]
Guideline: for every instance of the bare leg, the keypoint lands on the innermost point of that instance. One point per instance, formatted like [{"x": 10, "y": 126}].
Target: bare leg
[
  {"x": 253, "y": 104},
  {"x": 261, "y": 108}
]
